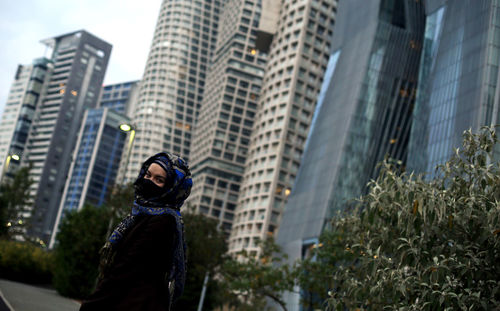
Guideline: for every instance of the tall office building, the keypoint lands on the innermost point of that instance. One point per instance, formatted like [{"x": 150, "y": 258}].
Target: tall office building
[
  {"x": 96, "y": 158},
  {"x": 459, "y": 87},
  {"x": 363, "y": 113},
  {"x": 80, "y": 60},
  {"x": 222, "y": 134},
  {"x": 297, "y": 62},
  {"x": 173, "y": 82},
  {"x": 19, "y": 112},
  {"x": 95, "y": 163},
  {"x": 120, "y": 97},
  {"x": 100, "y": 146}
]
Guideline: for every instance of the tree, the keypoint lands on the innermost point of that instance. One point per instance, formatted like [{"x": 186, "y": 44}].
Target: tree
[
  {"x": 14, "y": 201},
  {"x": 250, "y": 280},
  {"x": 206, "y": 246},
  {"x": 120, "y": 200},
  {"x": 314, "y": 272},
  {"x": 118, "y": 204},
  {"x": 81, "y": 235},
  {"x": 76, "y": 254},
  {"x": 420, "y": 244}
]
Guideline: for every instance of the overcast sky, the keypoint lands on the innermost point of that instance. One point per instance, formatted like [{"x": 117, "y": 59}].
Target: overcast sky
[{"x": 127, "y": 24}]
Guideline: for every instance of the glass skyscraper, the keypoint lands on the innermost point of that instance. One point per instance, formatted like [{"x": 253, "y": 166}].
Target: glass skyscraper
[
  {"x": 120, "y": 96},
  {"x": 363, "y": 113},
  {"x": 459, "y": 81},
  {"x": 95, "y": 161}
]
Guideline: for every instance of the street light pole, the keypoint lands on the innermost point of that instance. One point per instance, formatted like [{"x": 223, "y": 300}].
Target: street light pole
[
  {"x": 203, "y": 292},
  {"x": 129, "y": 150},
  {"x": 6, "y": 165},
  {"x": 127, "y": 128},
  {"x": 124, "y": 127},
  {"x": 10, "y": 158}
]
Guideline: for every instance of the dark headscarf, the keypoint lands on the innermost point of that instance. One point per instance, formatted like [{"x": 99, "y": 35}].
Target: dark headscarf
[
  {"x": 177, "y": 185},
  {"x": 169, "y": 201}
]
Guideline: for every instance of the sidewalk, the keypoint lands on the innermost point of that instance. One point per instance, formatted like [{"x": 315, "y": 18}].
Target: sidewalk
[{"x": 24, "y": 297}]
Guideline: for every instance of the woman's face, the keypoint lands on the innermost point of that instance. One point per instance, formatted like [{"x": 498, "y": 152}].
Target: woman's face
[{"x": 156, "y": 174}]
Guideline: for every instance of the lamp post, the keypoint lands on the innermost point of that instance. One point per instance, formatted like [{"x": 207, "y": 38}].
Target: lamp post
[
  {"x": 125, "y": 127},
  {"x": 10, "y": 158}
]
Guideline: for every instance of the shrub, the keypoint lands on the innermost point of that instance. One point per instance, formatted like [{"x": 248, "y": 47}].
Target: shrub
[
  {"x": 418, "y": 244},
  {"x": 25, "y": 262},
  {"x": 76, "y": 255}
]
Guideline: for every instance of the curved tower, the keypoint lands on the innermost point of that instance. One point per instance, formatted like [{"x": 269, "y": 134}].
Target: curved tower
[
  {"x": 222, "y": 134},
  {"x": 297, "y": 62},
  {"x": 171, "y": 89}
]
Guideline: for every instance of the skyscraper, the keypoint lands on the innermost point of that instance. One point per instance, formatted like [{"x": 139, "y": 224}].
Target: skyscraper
[
  {"x": 173, "y": 82},
  {"x": 222, "y": 134},
  {"x": 297, "y": 62},
  {"x": 363, "y": 113},
  {"x": 19, "y": 111},
  {"x": 95, "y": 162},
  {"x": 98, "y": 151},
  {"x": 80, "y": 60},
  {"x": 459, "y": 85},
  {"x": 120, "y": 97}
]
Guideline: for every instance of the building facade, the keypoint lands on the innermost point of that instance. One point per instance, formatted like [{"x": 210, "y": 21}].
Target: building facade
[
  {"x": 79, "y": 63},
  {"x": 459, "y": 85},
  {"x": 20, "y": 108},
  {"x": 171, "y": 89},
  {"x": 120, "y": 97},
  {"x": 222, "y": 134},
  {"x": 363, "y": 113},
  {"x": 297, "y": 61},
  {"x": 96, "y": 158}
]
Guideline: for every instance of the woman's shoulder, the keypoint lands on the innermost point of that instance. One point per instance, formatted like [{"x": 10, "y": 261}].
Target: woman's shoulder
[{"x": 160, "y": 220}]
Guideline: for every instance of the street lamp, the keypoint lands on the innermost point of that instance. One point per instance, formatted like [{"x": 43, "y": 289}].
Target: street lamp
[
  {"x": 125, "y": 127},
  {"x": 10, "y": 157}
]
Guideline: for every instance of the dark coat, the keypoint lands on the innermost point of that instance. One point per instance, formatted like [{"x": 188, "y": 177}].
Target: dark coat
[{"x": 136, "y": 280}]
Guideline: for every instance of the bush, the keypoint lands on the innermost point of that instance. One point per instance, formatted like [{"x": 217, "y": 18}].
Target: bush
[
  {"x": 418, "y": 244},
  {"x": 25, "y": 262},
  {"x": 206, "y": 246},
  {"x": 76, "y": 255}
]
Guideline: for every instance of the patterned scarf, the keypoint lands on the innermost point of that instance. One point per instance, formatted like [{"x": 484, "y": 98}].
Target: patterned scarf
[
  {"x": 168, "y": 202},
  {"x": 178, "y": 184}
]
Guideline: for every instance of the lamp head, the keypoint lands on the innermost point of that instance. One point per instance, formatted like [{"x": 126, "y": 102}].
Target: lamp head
[{"x": 125, "y": 127}]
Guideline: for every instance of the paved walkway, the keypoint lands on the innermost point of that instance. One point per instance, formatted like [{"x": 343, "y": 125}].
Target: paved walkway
[{"x": 23, "y": 297}]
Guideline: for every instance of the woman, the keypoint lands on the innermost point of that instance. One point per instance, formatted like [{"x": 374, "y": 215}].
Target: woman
[{"x": 143, "y": 262}]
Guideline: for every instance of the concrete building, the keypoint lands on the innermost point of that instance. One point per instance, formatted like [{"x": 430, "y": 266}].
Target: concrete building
[
  {"x": 20, "y": 108},
  {"x": 172, "y": 86},
  {"x": 79, "y": 61},
  {"x": 222, "y": 134},
  {"x": 96, "y": 158},
  {"x": 459, "y": 86},
  {"x": 297, "y": 61},
  {"x": 363, "y": 113}
]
